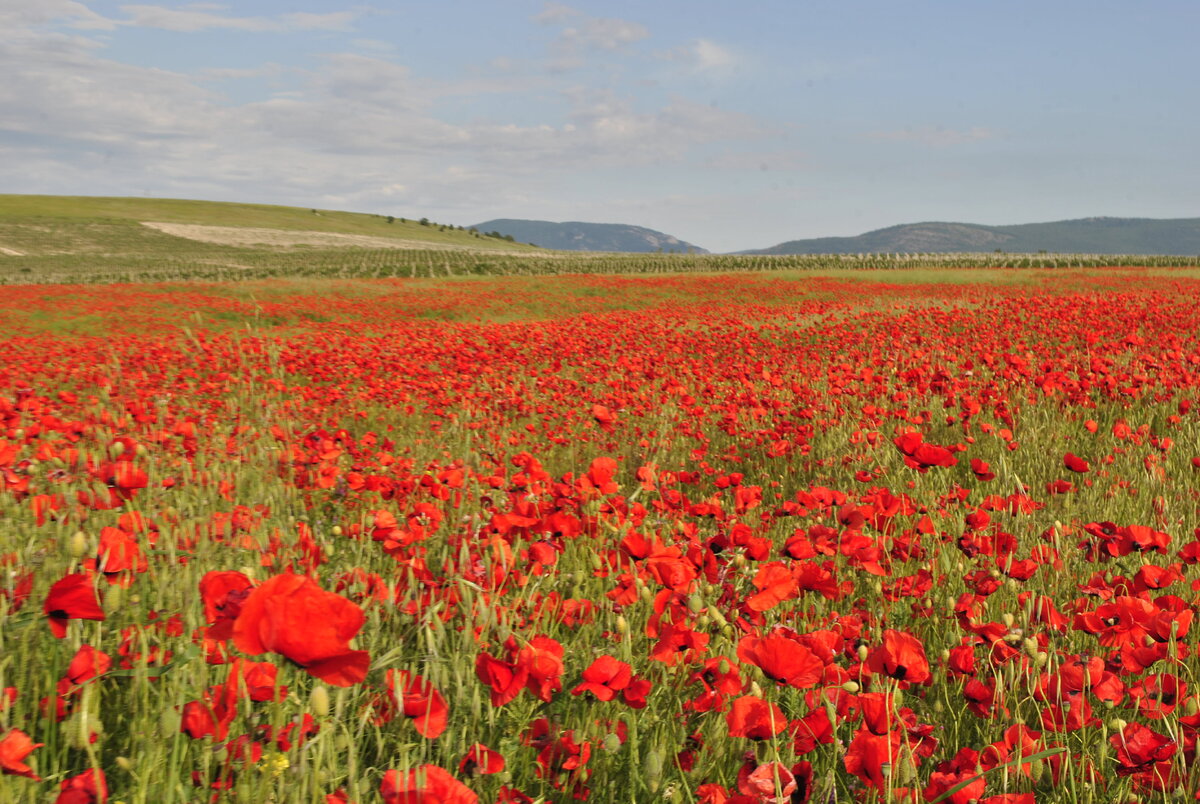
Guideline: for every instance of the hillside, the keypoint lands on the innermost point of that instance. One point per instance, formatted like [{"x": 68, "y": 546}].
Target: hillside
[
  {"x": 41, "y": 224},
  {"x": 1084, "y": 236},
  {"x": 580, "y": 236}
]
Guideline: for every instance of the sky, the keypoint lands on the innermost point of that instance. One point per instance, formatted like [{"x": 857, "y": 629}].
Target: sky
[{"x": 728, "y": 125}]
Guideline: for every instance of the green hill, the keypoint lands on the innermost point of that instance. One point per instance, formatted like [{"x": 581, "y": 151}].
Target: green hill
[
  {"x": 41, "y": 224},
  {"x": 1084, "y": 236}
]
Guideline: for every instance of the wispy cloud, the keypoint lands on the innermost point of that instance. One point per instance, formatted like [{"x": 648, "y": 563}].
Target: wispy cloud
[
  {"x": 207, "y": 17},
  {"x": 935, "y": 136},
  {"x": 582, "y": 34},
  {"x": 703, "y": 55}
]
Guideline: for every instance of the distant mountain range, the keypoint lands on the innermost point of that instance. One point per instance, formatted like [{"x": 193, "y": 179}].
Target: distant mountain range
[
  {"x": 578, "y": 236},
  {"x": 1179, "y": 236}
]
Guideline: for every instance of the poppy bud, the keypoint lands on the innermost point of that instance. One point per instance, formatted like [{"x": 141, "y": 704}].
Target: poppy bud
[
  {"x": 1117, "y": 724},
  {"x": 336, "y": 530},
  {"x": 851, "y": 687},
  {"x": 652, "y": 768},
  {"x": 114, "y": 598},
  {"x": 116, "y": 449},
  {"x": 1030, "y": 646},
  {"x": 719, "y": 618},
  {"x": 622, "y": 625},
  {"x": 597, "y": 562},
  {"x": 169, "y": 722},
  {"x": 1007, "y": 619},
  {"x": 78, "y": 545},
  {"x": 319, "y": 701},
  {"x": 1191, "y": 706},
  {"x": 704, "y": 621},
  {"x": 647, "y": 595},
  {"x": 125, "y": 763},
  {"x": 755, "y": 690},
  {"x": 1042, "y": 658},
  {"x": 612, "y": 743},
  {"x": 695, "y": 604},
  {"x": 863, "y": 653}
]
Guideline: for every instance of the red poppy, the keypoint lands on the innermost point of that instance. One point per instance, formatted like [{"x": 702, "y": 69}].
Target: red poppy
[
  {"x": 868, "y": 753},
  {"x": 901, "y": 657},
  {"x": 783, "y": 660},
  {"x": 87, "y": 664},
  {"x": 88, "y": 787},
  {"x": 1076, "y": 464},
  {"x": 14, "y": 747},
  {"x": 754, "y": 718},
  {"x": 427, "y": 784},
  {"x": 1140, "y": 749},
  {"x": 604, "y": 678},
  {"x": 71, "y": 598},
  {"x": 775, "y": 583},
  {"x": 420, "y": 701},
  {"x": 542, "y": 661},
  {"x": 480, "y": 760},
  {"x": 292, "y": 616},
  {"x": 223, "y": 594},
  {"x": 506, "y": 679}
]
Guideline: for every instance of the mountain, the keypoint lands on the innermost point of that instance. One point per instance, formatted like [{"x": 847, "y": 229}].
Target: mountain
[
  {"x": 1084, "y": 236},
  {"x": 578, "y": 236}
]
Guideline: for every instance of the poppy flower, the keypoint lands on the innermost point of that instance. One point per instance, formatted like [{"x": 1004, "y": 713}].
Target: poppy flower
[
  {"x": 223, "y": 594},
  {"x": 1139, "y": 748},
  {"x": 783, "y": 660},
  {"x": 480, "y": 760},
  {"x": 424, "y": 785},
  {"x": 87, "y": 664},
  {"x": 770, "y": 781},
  {"x": 506, "y": 679},
  {"x": 71, "y": 598},
  {"x": 871, "y": 756},
  {"x": 420, "y": 701},
  {"x": 14, "y": 747},
  {"x": 542, "y": 661},
  {"x": 1076, "y": 464},
  {"x": 604, "y": 678},
  {"x": 775, "y": 583},
  {"x": 292, "y": 616},
  {"x": 88, "y": 787},
  {"x": 901, "y": 657},
  {"x": 755, "y": 719}
]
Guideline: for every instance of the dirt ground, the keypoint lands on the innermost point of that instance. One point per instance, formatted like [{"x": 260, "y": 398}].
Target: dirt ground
[
  {"x": 283, "y": 238},
  {"x": 12, "y": 252}
]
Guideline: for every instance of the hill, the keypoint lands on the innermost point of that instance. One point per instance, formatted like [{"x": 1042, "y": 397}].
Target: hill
[
  {"x": 1179, "y": 236},
  {"x": 580, "y": 236},
  {"x": 44, "y": 224}
]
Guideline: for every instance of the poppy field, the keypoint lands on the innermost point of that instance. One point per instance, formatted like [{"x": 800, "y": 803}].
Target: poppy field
[{"x": 746, "y": 538}]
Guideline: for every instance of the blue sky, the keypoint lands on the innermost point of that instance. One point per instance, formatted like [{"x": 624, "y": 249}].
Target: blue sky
[{"x": 729, "y": 125}]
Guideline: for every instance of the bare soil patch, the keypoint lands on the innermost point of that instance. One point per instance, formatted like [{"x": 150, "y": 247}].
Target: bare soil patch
[{"x": 250, "y": 237}]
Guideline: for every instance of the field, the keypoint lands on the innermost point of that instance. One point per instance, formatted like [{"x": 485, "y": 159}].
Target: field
[{"x": 829, "y": 535}]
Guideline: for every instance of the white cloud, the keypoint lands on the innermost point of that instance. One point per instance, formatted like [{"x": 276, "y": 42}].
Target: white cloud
[
  {"x": 581, "y": 35},
  {"x": 203, "y": 17},
  {"x": 359, "y": 130},
  {"x": 17, "y": 13},
  {"x": 935, "y": 136},
  {"x": 703, "y": 55}
]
